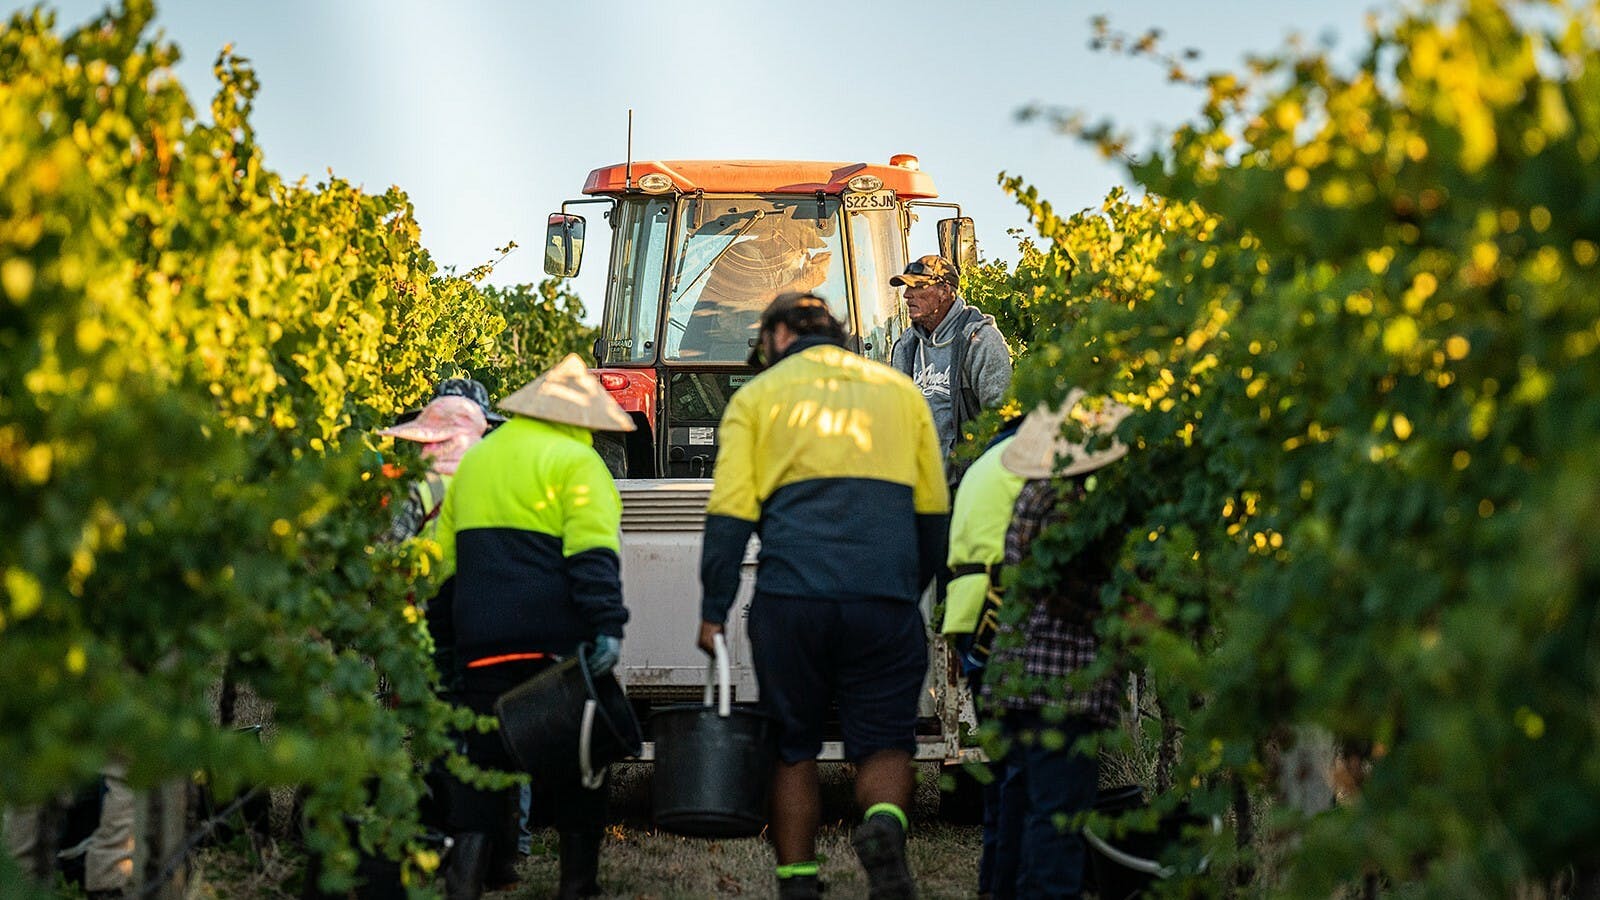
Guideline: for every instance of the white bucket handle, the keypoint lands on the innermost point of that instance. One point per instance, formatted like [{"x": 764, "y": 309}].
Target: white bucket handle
[
  {"x": 591, "y": 779},
  {"x": 1127, "y": 860},
  {"x": 1139, "y": 863},
  {"x": 719, "y": 674}
]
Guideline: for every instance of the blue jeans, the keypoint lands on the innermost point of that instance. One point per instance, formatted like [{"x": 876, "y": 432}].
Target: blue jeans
[
  {"x": 1055, "y": 784},
  {"x": 525, "y": 832},
  {"x": 1004, "y": 802}
]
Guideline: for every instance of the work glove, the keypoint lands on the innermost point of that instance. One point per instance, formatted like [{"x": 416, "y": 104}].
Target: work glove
[
  {"x": 604, "y": 654},
  {"x": 973, "y": 662}
]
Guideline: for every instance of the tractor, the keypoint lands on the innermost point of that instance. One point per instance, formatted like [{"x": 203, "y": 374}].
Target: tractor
[{"x": 698, "y": 249}]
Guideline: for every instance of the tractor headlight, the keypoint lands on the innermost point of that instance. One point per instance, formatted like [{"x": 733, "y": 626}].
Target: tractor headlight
[
  {"x": 655, "y": 183},
  {"x": 865, "y": 184}
]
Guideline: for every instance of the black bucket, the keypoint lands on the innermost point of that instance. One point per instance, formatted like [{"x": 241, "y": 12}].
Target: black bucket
[
  {"x": 713, "y": 763},
  {"x": 1128, "y": 866},
  {"x": 564, "y": 722}
]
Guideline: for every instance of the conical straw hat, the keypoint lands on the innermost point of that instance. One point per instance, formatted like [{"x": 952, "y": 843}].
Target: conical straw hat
[
  {"x": 1040, "y": 445},
  {"x": 571, "y": 395}
]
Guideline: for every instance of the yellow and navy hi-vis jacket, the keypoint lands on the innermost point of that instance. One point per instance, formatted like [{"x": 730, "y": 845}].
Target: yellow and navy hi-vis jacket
[
  {"x": 530, "y": 528},
  {"x": 834, "y": 460},
  {"x": 978, "y": 522}
]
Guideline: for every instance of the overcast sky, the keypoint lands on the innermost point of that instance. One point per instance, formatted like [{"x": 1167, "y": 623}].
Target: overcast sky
[{"x": 489, "y": 114}]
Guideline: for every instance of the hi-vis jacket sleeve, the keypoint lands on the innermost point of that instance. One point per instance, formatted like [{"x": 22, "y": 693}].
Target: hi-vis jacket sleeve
[
  {"x": 931, "y": 500},
  {"x": 591, "y": 521},
  {"x": 732, "y": 512}
]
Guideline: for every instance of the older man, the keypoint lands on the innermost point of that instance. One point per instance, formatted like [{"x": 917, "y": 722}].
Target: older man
[{"x": 954, "y": 352}]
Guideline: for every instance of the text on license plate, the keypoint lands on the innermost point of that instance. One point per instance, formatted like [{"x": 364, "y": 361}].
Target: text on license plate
[{"x": 866, "y": 202}]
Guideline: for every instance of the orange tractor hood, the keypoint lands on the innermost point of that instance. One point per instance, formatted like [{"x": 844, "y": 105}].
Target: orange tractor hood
[{"x": 758, "y": 176}]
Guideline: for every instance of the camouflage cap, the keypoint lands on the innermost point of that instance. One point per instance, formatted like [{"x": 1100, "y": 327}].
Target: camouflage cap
[
  {"x": 927, "y": 270},
  {"x": 473, "y": 390}
]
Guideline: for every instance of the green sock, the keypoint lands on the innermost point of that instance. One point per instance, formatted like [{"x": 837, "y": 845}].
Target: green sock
[
  {"x": 889, "y": 809},
  {"x": 798, "y": 870}
]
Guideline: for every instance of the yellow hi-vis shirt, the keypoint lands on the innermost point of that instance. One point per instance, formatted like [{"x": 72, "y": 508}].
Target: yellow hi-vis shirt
[
  {"x": 978, "y": 524},
  {"x": 836, "y": 459},
  {"x": 530, "y": 529}
]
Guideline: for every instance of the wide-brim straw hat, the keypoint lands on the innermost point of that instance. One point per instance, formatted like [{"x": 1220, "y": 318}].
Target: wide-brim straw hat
[
  {"x": 1041, "y": 450},
  {"x": 570, "y": 394},
  {"x": 442, "y": 419}
]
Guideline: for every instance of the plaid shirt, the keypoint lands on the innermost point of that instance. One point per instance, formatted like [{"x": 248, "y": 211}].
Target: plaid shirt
[
  {"x": 1048, "y": 649},
  {"x": 420, "y": 509}
]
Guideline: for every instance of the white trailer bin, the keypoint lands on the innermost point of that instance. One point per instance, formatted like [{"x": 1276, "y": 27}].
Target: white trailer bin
[{"x": 663, "y": 521}]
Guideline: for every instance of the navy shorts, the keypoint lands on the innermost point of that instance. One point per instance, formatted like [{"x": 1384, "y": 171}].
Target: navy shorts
[{"x": 868, "y": 656}]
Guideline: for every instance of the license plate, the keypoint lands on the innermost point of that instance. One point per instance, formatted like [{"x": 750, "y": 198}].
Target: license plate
[{"x": 868, "y": 202}]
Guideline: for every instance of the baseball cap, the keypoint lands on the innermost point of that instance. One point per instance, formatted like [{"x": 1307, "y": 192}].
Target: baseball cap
[{"x": 927, "y": 270}]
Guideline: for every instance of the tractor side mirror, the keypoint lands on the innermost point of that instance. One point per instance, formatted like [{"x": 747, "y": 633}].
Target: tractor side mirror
[
  {"x": 563, "y": 245},
  {"x": 958, "y": 241}
]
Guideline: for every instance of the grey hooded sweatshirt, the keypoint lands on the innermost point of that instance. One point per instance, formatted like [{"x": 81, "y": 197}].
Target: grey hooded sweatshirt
[{"x": 968, "y": 342}]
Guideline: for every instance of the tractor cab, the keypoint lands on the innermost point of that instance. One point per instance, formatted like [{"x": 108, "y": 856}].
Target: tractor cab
[{"x": 699, "y": 249}]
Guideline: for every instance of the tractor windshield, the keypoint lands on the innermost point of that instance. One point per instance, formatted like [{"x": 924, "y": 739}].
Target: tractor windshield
[{"x": 733, "y": 255}]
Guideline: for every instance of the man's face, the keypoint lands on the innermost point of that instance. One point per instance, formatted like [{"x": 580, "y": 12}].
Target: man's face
[
  {"x": 928, "y": 304},
  {"x": 768, "y": 351},
  {"x": 774, "y": 341}
]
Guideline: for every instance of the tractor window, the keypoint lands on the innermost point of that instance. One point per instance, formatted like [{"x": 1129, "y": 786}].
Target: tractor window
[
  {"x": 880, "y": 254},
  {"x": 633, "y": 296},
  {"x": 734, "y": 254}
]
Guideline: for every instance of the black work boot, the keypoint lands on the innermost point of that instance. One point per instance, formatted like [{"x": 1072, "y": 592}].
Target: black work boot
[
  {"x": 880, "y": 844},
  {"x": 464, "y": 871},
  {"x": 502, "y": 873},
  {"x": 580, "y": 864},
  {"x": 799, "y": 887}
]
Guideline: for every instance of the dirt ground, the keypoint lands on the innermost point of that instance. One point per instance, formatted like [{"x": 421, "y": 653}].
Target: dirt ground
[{"x": 640, "y": 863}]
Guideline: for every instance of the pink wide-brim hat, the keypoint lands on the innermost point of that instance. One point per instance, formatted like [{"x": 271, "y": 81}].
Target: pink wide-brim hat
[{"x": 441, "y": 420}]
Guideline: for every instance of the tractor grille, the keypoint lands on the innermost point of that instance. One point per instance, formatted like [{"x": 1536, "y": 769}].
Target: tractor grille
[
  {"x": 669, "y": 506},
  {"x": 668, "y": 693}
]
